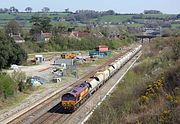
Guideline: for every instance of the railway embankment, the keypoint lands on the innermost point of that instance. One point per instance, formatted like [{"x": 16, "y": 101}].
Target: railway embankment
[{"x": 150, "y": 91}]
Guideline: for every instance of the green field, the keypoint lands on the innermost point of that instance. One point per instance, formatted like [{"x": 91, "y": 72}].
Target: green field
[
  {"x": 175, "y": 26},
  {"x": 115, "y": 18},
  {"x": 158, "y": 15},
  {"x": 135, "y": 25},
  {"x": 127, "y": 17},
  {"x": 23, "y": 18}
]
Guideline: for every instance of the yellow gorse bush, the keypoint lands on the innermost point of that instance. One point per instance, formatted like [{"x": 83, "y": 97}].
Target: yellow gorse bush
[
  {"x": 152, "y": 91},
  {"x": 169, "y": 98},
  {"x": 165, "y": 115},
  {"x": 144, "y": 100}
]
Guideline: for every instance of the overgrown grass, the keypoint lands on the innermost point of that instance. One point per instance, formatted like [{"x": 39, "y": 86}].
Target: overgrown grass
[
  {"x": 12, "y": 101},
  {"x": 121, "y": 102}
]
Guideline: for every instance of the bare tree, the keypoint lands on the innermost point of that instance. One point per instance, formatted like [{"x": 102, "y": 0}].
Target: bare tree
[{"x": 13, "y": 27}]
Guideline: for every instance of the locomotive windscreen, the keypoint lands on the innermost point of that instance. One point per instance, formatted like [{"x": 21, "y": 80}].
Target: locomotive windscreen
[{"x": 67, "y": 97}]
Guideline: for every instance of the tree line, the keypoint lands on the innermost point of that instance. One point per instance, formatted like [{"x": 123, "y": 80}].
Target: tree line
[
  {"x": 84, "y": 15},
  {"x": 10, "y": 52},
  {"x": 13, "y": 9}
]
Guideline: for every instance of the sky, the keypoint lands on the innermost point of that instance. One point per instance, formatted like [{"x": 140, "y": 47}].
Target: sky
[{"x": 119, "y": 6}]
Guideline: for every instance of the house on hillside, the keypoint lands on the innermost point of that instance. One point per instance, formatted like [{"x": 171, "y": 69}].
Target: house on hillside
[
  {"x": 45, "y": 36},
  {"x": 78, "y": 34},
  {"x": 17, "y": 38}
]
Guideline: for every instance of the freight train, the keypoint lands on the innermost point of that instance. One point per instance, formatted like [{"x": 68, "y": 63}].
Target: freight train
[{"x": 71, "y": 100}]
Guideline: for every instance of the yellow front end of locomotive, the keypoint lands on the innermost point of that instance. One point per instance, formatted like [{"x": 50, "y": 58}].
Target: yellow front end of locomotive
[{"x": 68, "y": 104}]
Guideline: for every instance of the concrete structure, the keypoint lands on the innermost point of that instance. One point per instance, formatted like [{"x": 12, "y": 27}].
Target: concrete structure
[
  {"x": 68, "y": 62},
  {"x": 142, "y": 37}
]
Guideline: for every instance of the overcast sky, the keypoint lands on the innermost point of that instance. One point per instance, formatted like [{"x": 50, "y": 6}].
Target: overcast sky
[{"x": 120, "y": 6}]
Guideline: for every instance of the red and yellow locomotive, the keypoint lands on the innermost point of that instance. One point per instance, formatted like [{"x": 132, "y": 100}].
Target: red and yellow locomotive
[{"x": 72, "y": 100}]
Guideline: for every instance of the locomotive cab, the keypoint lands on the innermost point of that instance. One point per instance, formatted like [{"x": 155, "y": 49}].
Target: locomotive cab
[{"x": 68, "y": 101}]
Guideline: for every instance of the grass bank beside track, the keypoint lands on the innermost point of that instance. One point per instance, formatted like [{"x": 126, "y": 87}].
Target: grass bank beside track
[{"x": 150, "y": 92}]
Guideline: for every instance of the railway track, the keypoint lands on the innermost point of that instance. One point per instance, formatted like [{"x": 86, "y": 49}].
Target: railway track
[{"x": 53, "y": 114}]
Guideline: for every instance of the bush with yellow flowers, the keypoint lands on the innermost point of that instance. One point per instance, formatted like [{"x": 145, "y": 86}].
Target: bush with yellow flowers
[
  {"x": 172, "y": 100},
  {"x": 144, "y": 100},
  {"x": 169, "y": 98},
  {"x": 164, "y": 116},
  {"x": 152, "y": 90}
]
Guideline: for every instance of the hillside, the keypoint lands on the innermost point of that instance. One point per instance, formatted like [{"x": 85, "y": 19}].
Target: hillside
[
  {"x": 84, "y": 17},
  {"x": 23, "y": 18},
  {"x": 150, "y": 92}
]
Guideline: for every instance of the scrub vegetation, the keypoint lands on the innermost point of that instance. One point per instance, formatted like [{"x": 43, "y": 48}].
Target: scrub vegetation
[
  {"x": 150, "y": 92},
  {"x": 13, "y": 87}
]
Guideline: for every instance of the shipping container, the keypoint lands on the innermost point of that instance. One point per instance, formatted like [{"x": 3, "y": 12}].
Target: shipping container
[{"x": 93, "y": 53}]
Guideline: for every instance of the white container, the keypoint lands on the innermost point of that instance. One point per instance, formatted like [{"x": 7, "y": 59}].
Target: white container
[
  {"x": 93, "y": 84},
  {"x": 100, "y": 77},
  {"x": 111, "y": 70}
]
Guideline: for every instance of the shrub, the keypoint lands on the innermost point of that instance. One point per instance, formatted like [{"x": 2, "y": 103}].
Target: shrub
[
  {"x": 172, "y": 78},
  {"x": 7, "y": 86}
]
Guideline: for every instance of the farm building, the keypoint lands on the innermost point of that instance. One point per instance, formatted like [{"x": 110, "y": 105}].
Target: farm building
[
  {"x": 17, "y": 38},
  {"x": 45, "y": 36}
]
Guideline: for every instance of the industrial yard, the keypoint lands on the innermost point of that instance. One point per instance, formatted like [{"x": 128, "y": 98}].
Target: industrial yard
[{"x": 44, "y": 70}]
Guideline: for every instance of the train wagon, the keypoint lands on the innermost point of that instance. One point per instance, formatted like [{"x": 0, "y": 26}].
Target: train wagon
[
  {"x": 118, "y": 64},
  {"x": 111, "y": 70},
  {"x": 93, "y": 83},
  {"x": 105, "y": 74},
  {"x": 99, "y": 77},
  {"x": 71, "y": 100}
]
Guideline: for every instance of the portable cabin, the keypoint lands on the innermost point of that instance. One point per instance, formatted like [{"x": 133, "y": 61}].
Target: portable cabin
[
  {"x": 102, "y": 48},
  {"x": 39, "y": 59}
]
